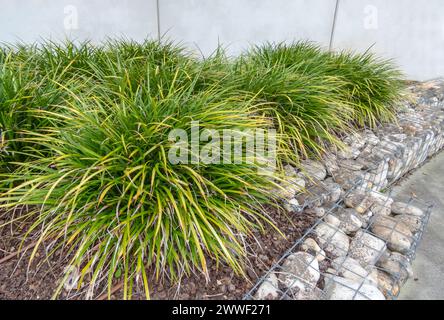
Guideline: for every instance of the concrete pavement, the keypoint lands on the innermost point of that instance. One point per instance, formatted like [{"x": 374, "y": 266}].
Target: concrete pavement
[{"x": 428, "y": 185}]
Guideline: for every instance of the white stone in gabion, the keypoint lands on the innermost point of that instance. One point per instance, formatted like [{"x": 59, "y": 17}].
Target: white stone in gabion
[
  {"x": 355, "y": 140},
  {"x": 400, "y": 137},
  {"x": 334, "y": 190},
  {"x": 380, "y": 197},
  {"x": 312, "y": 247},
  {"x": 358, "y": 201},
  {"x": 300, "y": 270},
  {"x": 379, "y": 180},
  {"x": 291, "y": 205},
  {"x": 367, "y": 218},
  {"x": 314, "y": 169},
  {"x": 366, "y": 248},
  {"x": 290, "y": 171},
  {"x": 332, "y": 239},
  {"x": 351, "y": 165},
  {"x": 298, "y": 181},
  {"x": 351, "y": 269},
  {"x": 371, "y": 138},
  {"x": 382, "y": 204},
  {"x": 349, "y": 152},
  {"x": 397, "y": 170},
  {"x": 332, "y": 220},
  {"x": 348, "y": 179},
  {"x": 405, "y": 208},
  {"x": 367, "y": 183},
  {"x": 350, "y": 220},
  {"x": 317, "y": 211},
  {"x": 269, "y": 289},
  {"x": 416, "y": 145},
  {"x": 289, "y": 188},
  {"x": 414, "y": 223},
  {"x": 397, "y": 265},
  {"x": 395, "y": 232},
  {"x": 308, "y": 294},
  {"x": 331, "y": 164},
  {"x": 382, "y": 209},
  {"x": 354, "y": 198},
  {"x": 339, "y": 288}
]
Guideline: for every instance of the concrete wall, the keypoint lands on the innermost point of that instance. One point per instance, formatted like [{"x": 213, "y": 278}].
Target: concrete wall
[
  {"x": 410, "y": 31},
  {"x": 239, "y": 23},
  {"x": 33, "y": 20}
]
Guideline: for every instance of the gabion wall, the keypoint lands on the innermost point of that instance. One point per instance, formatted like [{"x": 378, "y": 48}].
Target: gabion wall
[{"x": 364, "y": 241}]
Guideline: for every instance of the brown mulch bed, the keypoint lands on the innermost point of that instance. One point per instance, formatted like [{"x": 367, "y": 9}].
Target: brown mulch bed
[{"x": 19, "y": 280}]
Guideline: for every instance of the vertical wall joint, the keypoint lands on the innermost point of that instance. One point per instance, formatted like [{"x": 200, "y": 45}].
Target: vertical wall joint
[{"x": 333, "y": 26}]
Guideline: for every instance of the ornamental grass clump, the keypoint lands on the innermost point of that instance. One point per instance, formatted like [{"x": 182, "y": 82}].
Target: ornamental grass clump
[
  {"x": 49, "y": 75},
  {"x": 306, "y": 106},
  {"x": 372, "y": 86},
  {"x": 30, "y": 80},
  {"x": 109, "y": 192},
  {"x": 375, "y": 86},
  {"x": 87, "y": 146},
  {"x": 124, "y": 67}
]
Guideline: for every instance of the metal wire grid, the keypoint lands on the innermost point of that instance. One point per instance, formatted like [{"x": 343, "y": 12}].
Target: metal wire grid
[
  {"x": 400, "y": 156},
  {"x": 400, "y": 160},
  {"x": 292, "y": 286},
  {"x": 407, "y": 155},
  {"x": 392, "y": 161},
  {"x": 393, "y": 164},
  {"x": 319, "y": 193}
]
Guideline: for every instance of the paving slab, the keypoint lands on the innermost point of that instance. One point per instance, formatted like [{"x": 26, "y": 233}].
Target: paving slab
[{"x": 427, "y": 183}]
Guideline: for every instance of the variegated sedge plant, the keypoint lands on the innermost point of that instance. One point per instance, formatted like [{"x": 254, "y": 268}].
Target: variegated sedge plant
[
  {"x": 106, "y": 190},
  {"x": 307, "y": 107},
  {"x": 371, "y": 85},
  {"x": 86, "y": 128}
]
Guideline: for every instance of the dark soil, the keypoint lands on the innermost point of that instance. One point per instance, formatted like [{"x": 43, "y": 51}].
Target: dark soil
[
  {"x": 19, "y": 277},
  {"x": 39, "y": 280}
]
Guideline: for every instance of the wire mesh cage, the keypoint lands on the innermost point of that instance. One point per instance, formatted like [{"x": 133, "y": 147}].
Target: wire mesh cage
[
  {"x": 360, "y": 249},
  {"x": 364, "y": 239}
]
